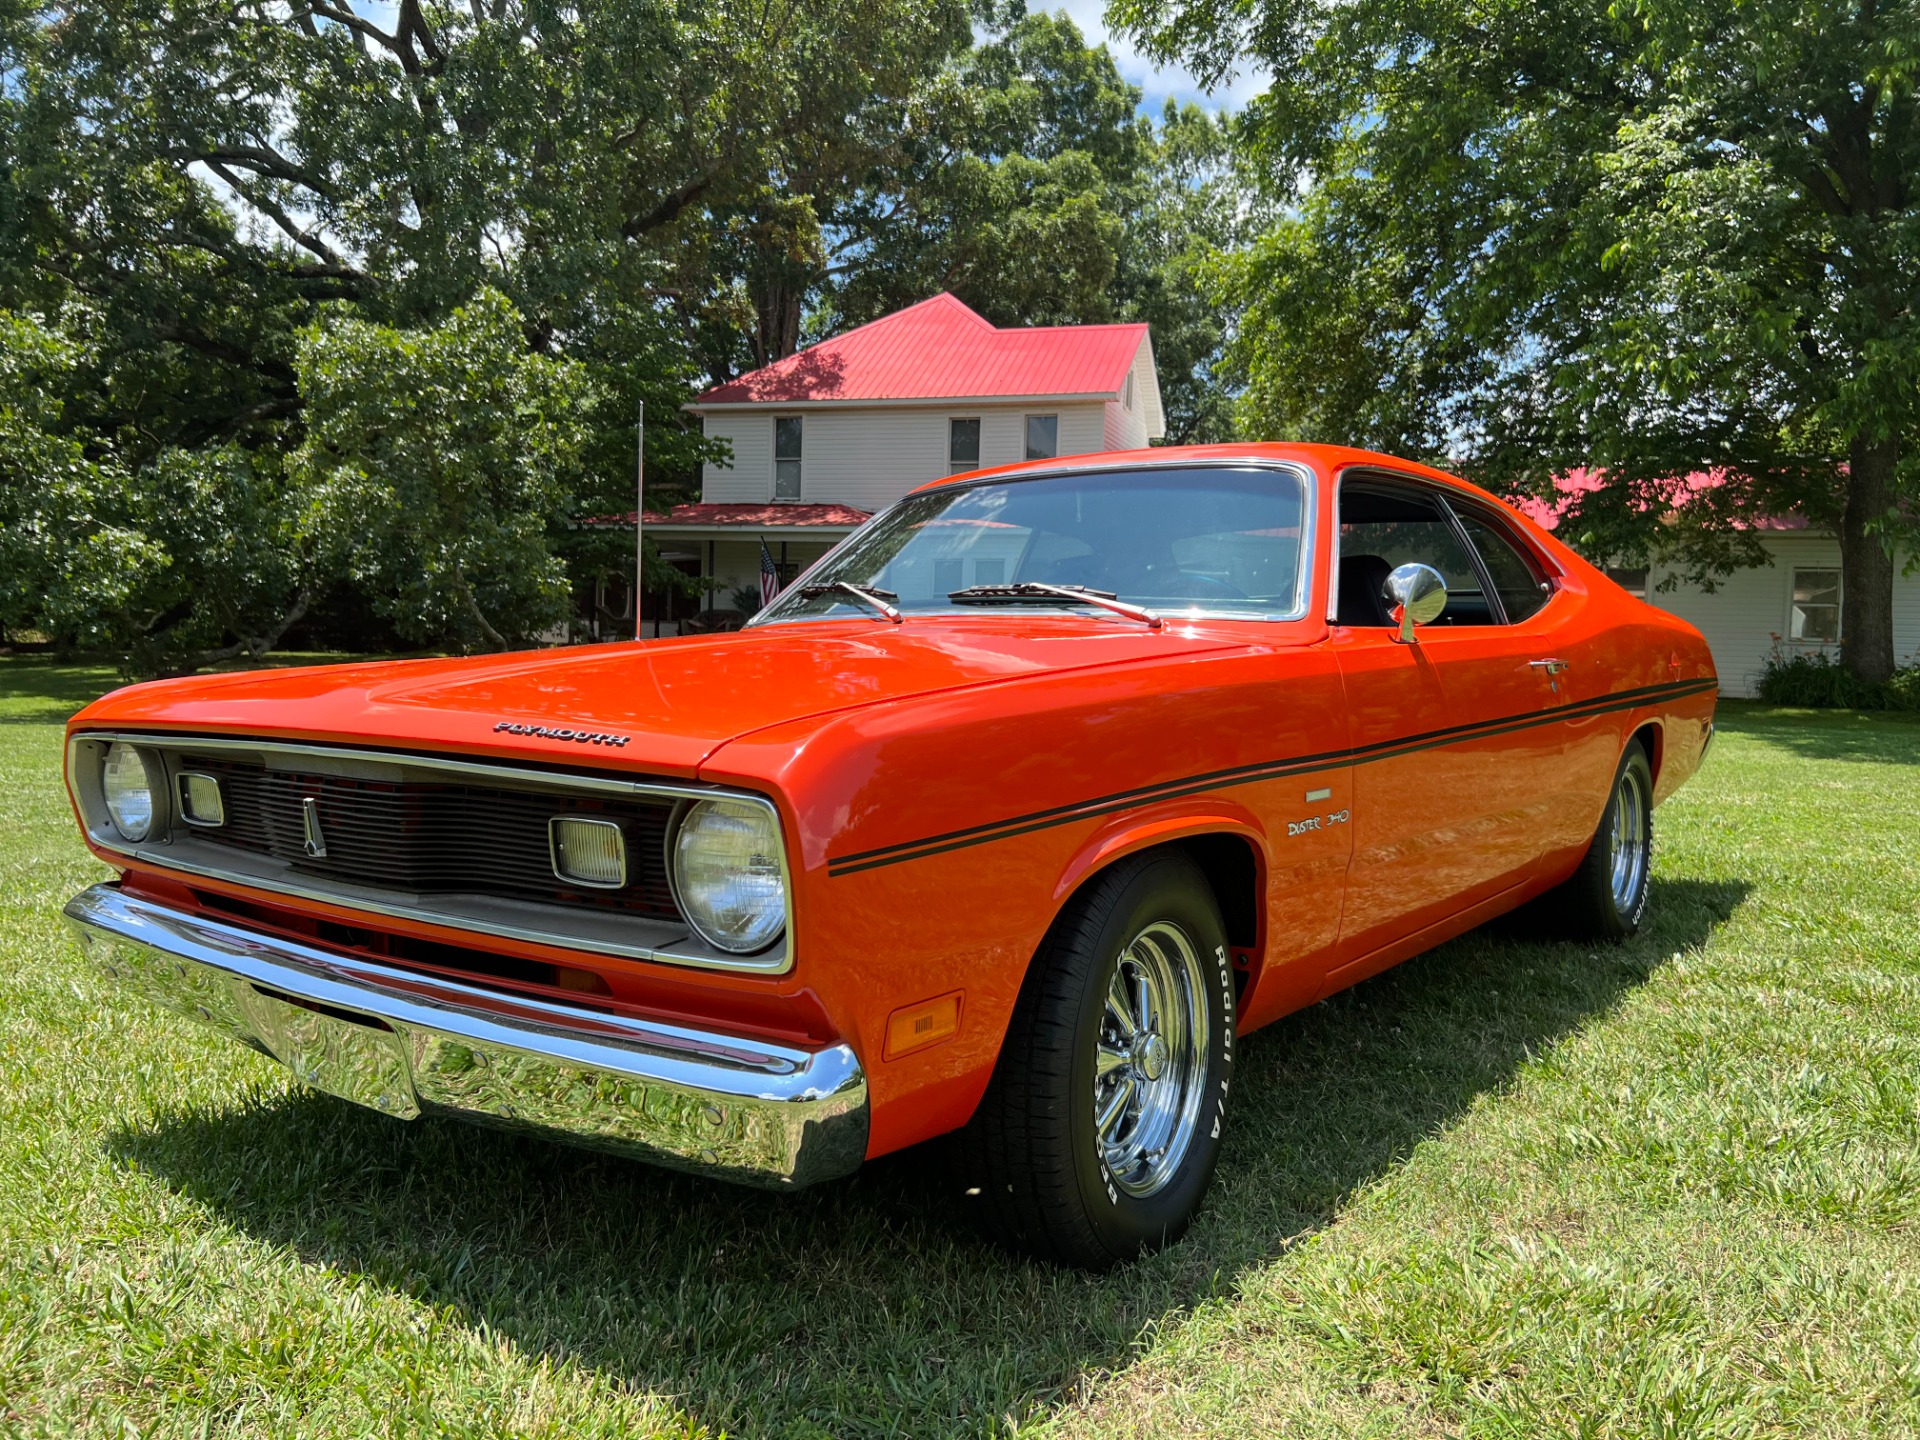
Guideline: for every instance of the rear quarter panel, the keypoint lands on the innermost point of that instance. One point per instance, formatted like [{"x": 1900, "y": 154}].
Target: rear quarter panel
[{"x": 1636, "y": 649}]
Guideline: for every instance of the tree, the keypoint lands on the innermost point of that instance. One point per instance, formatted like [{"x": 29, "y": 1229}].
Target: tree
[
  {"x": 186, "y": 186},
  {"x": 435, "y": 466},
  {"x": 1655, "y": 237},
  {"x": 178, "y": 560},
  {"x": 1027, "y": 183}
]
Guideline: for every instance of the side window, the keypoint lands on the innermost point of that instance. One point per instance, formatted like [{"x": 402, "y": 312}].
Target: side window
[
  {"x": 786, "y": 457},
  {"x": 1043, "y": 437},
  {"x": 1383, "y": 529},
  {"x": 1522, "y": 589}
]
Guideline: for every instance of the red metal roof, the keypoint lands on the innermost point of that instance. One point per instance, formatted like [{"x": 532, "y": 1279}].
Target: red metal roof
[
  {"x": 784, "y": 516},
  {"x": 1570, "y": 487},
  {"x": 941, "y": 350}
]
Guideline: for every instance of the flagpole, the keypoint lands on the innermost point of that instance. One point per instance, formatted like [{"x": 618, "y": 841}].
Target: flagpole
[{"x": 640, "y": 509}]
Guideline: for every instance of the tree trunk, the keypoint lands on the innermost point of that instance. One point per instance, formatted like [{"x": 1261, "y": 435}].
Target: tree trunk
[
  {"x": 1866, "y": 562},
  {"x": 778, "y": 332},
  {"x": 499, "y": 641}
]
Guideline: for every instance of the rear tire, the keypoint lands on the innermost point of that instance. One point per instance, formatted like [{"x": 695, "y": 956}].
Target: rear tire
[
  {"x": 1099, "y": 1132},
  {"x": 1606, "y": 897}
]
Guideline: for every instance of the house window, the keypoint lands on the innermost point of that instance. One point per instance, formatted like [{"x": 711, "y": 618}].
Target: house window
[
  {"x": 1043, "y": 437},
  {"x": 786, "y": 457},
  {"x": 963, "y": 445},
  {"x": 1815, "y": 616},
  {"x": 1631, "y": 579},
  {"x": 1127, "y": 400},
  {"x": 948, "y": 576}
]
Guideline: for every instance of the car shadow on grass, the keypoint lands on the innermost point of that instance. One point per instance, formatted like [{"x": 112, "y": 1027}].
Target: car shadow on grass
[
  {"x": 871, "y": 1306},
  {"x": 1880, "y": 737}
]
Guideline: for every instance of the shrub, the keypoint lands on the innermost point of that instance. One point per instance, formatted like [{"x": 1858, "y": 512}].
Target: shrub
[{"x": 1819, "y": 680}]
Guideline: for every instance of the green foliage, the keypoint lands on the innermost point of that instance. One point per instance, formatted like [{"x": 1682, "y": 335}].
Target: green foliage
[
  {"x": 1820, "y": 681},
  {"x": 1656, "y": 238},
  {"x": 1027, "y": 184},
  {"x": 435, "y": 465},
  {"x": 664, "y": 196},
  {"x": 172, "y": 557}
]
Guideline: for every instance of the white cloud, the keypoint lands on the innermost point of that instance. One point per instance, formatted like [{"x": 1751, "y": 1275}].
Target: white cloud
[{"x": 1157, "y": 83}]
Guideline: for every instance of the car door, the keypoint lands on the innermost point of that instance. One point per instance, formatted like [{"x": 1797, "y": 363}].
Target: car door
[
  {"x": 1544, "y": 628},
  {"x": 1451, "y": 755}
]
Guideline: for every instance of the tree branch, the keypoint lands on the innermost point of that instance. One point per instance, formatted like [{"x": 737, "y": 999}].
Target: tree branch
[
  {"x": 363, "y": 28},
  {"x": 252, "y": 646},
  {"x": 414, "y": 24},
  {"x": 465, "y": 592},
  {"x": 668, "y": 209},
  {"x": 305, "y": 239},
  {"x": 262, "y": 160}
]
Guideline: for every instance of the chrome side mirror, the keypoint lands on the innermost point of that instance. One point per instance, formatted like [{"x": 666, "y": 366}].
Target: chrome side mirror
[{"x": 1418, "y": 593}]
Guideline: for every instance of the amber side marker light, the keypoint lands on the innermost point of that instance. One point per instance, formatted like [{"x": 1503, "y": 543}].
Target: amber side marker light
[{"x": 915, "y": 1027}]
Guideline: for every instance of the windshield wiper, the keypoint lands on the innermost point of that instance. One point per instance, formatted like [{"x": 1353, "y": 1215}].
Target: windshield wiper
[
  {"x": 1034, "y": 591},
  {"x": 871, "y": 594}
]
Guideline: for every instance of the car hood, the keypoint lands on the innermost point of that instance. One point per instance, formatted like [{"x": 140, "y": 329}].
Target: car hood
[{"x": 660, "y": 706}]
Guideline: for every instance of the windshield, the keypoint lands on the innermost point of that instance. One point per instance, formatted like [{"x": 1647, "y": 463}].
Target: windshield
[{"x": 1214, "y": 539}]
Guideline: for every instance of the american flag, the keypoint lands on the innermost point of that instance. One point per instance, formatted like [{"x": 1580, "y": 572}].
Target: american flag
[{"x": 769, "y": 577}]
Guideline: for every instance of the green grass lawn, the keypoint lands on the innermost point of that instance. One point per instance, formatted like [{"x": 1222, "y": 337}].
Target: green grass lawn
[{"x": 1512, "y": 1188}]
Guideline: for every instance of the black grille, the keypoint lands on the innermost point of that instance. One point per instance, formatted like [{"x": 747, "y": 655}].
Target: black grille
[{"x": 432, "y": 838}]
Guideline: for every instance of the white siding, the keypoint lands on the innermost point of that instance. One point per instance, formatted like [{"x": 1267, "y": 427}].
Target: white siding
[
  {"x": 1748, "y": 609},
  {"x": 1906, "y": 611},
  {"x": 1152, "y": 422},
  {"x": 871, "y": 457},
  {"x": 1125, "y": 429},
  {"x": 748, "y": 478}
]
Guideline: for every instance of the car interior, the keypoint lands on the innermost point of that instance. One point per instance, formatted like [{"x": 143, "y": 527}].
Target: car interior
[{"x": 1382, "y": 527}]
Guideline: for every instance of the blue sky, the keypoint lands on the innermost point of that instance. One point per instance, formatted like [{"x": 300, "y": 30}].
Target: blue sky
[{"x": 1157, "y": 84}]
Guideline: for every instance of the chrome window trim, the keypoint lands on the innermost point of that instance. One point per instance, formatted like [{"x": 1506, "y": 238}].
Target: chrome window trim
[
  {"x": 84, "y": 787},
  {"x": 1303, "y": 583},
  {"x": 1333, "y": 564},
  {"x": 1451, "y": 498}
]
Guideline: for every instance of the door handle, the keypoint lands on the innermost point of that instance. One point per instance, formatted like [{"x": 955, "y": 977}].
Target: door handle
[{"x": 1552, "y": 667}]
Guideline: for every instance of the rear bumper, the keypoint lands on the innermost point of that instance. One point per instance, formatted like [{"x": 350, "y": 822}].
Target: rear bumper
[{"x": 738, "y": 1108}]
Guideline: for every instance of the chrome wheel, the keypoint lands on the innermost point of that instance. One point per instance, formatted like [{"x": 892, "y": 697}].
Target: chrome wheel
[
  {"x": 1628, "y": 843},
  {"x": 1150, "y": 1067}
]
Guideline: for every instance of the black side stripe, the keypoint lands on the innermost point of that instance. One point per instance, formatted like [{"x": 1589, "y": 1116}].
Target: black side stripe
[{"x": 1248, "y": 774}]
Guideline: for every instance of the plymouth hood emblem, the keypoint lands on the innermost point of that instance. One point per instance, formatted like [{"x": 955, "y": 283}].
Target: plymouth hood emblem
[{"x": 549, "y": 732}]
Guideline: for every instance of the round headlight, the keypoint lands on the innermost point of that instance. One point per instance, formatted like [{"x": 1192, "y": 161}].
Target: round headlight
[
  {"x": 726, "y": 868},
  {"x": 129, "y": 791}
]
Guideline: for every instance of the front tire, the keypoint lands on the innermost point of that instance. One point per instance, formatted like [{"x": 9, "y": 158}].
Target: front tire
[
  {"x": 1099, "y": 1132},
  {"x": 1606, "y": 898}
]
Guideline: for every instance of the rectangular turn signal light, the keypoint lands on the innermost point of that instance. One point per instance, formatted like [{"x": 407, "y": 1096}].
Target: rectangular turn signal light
[{"x": 915, "y": 1027}]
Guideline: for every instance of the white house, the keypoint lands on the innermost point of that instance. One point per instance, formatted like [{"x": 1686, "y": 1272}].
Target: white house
[
  {"x": 1793, "y": 603},
  {"x": 821, "y": 440}
]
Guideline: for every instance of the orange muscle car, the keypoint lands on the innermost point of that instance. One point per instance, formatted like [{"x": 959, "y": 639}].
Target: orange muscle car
[{"x": 1008, "y": 819}]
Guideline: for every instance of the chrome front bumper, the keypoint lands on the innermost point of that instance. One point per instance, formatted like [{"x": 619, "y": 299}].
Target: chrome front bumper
[{"x": 738, "y": 1108}]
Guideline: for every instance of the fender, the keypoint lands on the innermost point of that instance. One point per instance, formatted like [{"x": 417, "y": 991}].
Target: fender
[
  {"x": 1163, "y": 824},
  {"x": 1153, "y": 825}
]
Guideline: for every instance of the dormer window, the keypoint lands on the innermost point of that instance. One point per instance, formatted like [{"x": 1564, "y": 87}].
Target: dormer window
[{"x": 786, "y": 457}]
